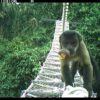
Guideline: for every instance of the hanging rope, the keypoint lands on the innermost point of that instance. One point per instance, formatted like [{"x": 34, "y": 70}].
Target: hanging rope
[{"x": 64, "y": 15}]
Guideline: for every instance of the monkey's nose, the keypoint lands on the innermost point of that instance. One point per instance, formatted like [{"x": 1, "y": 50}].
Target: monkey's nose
[{"x": 71, "y": 51}]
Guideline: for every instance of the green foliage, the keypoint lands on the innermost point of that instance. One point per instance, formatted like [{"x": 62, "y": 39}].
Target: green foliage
[
  {"x": 19, "y": 18},
  {"x": 3, "y": 44},
  {"x": 85, "y": 17}
]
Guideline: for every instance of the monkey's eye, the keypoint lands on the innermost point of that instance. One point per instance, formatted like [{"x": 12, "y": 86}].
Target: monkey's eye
[{"x": 64, "y": 42}]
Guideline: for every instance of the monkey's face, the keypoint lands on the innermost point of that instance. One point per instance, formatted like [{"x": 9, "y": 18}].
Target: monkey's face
[{"x": 69, "y": 40}]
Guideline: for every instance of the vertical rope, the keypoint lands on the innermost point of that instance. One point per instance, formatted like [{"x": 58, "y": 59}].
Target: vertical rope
[{"x": 64, "y": 15}]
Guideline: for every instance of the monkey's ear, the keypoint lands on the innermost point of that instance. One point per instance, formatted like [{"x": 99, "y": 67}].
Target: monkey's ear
[{"x": 79, "y": 36}]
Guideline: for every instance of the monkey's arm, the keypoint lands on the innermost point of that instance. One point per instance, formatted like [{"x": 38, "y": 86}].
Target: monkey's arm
[
  {"x": 96, "y": 81},
  {"x": 87, "y": 67},
  {"x": 66, "y": 73},
  {"x": 95, "y": 68}
]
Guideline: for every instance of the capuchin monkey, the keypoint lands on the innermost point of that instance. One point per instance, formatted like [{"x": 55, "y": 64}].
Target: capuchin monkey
[{"x": 73, "y": 50}]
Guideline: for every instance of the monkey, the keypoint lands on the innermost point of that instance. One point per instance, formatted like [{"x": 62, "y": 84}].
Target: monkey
[{"x": 74, "y": 56}]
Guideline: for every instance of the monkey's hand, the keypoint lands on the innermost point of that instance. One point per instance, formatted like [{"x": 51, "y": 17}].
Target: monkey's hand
[{"x": 64, "y": 54}]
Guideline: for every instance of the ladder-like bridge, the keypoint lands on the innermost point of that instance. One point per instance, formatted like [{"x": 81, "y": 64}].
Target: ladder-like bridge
[{"x": 48, "y": 82}]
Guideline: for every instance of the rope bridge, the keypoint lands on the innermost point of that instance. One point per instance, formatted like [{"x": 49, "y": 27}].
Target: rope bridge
[{"x": 48, "y": 82}]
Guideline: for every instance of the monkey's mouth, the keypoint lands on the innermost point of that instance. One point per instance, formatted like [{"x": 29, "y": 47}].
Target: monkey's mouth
[{"x": 72, "y": 55}]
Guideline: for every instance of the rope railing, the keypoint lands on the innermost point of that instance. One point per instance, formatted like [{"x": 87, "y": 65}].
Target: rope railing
[{"x": 64, "y": 15}]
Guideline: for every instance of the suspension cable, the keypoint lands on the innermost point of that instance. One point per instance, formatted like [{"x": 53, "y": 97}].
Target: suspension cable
[{"x": 64, "y": 15}]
